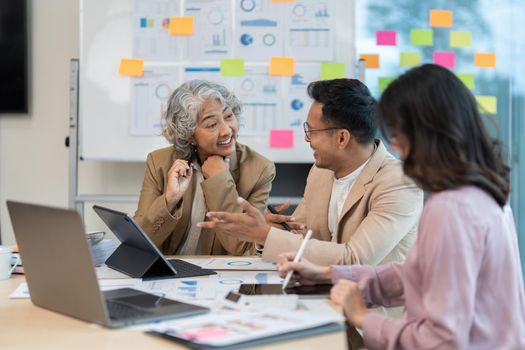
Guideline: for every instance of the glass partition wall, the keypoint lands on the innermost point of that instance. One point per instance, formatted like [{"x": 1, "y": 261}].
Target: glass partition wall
[{"x": 482, "y": 41}]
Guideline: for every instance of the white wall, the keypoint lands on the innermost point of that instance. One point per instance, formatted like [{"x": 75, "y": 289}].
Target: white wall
[{"x": 33, "y": 158}]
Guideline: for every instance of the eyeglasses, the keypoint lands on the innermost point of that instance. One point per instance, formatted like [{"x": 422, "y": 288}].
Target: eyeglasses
[{"x": 307, "y": 129}]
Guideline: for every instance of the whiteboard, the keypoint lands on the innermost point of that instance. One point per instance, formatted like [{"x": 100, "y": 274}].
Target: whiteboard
[{"x": 106, "y": 98}]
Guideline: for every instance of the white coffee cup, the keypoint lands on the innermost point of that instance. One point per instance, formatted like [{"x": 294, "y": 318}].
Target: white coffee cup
[{"x": 5, "y": 262}]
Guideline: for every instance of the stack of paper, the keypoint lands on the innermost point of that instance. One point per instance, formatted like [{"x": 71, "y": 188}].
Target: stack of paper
[{"x": 226, "y": 330}]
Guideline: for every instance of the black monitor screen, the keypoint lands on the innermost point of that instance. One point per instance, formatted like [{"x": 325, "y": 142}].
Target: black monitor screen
[
  {"x": 13, "y": 56},
  {"x": 290, "y": 179}
]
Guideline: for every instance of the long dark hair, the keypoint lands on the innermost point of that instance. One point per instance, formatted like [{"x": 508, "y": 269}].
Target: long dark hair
[{"x": 449, "y": 145}]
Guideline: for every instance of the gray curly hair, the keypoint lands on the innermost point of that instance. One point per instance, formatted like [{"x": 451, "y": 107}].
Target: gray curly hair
[{"x": 184, "y": 106}]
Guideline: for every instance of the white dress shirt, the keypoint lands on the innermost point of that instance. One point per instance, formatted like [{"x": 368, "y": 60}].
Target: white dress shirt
[{"x": 340, "y": 190}]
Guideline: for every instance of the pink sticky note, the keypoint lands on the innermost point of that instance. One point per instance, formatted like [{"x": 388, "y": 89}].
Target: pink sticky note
[
  {"x": 445, "y": 59},
  {"x": 281, "y": 138},
  {"x": 206, "y": 333},
  {"x": 386, "y": 37}
]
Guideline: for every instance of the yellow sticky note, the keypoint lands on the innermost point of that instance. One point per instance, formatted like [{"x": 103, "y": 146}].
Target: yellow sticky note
[
  {"x": 371, "y": 60},
  {"x": 282, "y": 66},
  {"x": 232, "y": 67},
  {"x": 332, "y": 70},
  {"x": 409, "y": 59},
  {"x": 487, "y": 104},
  {"x": 460, "y": 39},
  {"x": 181, "y": 26},
  {"x": 485, "y": 60},
  {"x": 467, "y": 79},
  {"x": 131, "y": 67},
  {"x": 384, "y": 82},
  {"x": 440, "y": 18},
  {"x": 421, "y": 37}
]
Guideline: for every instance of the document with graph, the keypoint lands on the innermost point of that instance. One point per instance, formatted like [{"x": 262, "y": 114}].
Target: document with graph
[{"x": 216, "y": 331}]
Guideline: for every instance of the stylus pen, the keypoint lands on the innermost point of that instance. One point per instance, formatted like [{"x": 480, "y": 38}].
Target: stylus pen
[
  {"x": 283, "y": 224},
  {"x": 297, "y": 257}
]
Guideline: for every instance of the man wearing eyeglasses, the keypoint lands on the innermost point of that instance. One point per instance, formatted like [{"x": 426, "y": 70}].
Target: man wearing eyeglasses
[{"x": 359, "y": 204}]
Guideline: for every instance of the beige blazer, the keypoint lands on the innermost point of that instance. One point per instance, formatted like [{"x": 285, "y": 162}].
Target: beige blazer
[
  {"x": 250, "y": 177},
  {"x": 378, "y": 222}
]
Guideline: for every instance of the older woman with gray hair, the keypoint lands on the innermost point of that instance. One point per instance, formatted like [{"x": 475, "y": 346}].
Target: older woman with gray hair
[{"x": 205, "y": 169}]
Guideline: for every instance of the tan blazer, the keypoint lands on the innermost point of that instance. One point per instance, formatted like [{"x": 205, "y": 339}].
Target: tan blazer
[
  {"x": 378, "y": 222},
  {"x": 250, "y": 177}
]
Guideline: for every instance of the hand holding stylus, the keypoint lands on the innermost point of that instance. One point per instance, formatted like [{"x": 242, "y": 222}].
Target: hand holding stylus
[
  {"x": 305, "y": 272},
  {"x": 297, "y": 257}
]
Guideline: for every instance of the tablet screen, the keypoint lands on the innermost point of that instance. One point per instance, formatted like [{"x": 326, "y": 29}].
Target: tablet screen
[{"x": 264, "y": 289}]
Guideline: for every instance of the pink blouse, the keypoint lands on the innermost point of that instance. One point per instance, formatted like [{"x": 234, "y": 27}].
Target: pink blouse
[{"x": 461, "y": 285}]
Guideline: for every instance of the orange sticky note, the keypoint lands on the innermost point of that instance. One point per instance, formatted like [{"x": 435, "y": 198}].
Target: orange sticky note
[
  {"x": 371, "y": 60},
  {"x": 440, "y": 18},
  {"x": 485, "y": 60},
  {"x": 282, "y": 66},
  {"x": 131, "y": 67},
  {"x": 181, "y": 26}
]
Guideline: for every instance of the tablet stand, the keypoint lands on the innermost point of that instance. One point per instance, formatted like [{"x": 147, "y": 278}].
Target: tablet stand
[{"x": 138, "y": 263}]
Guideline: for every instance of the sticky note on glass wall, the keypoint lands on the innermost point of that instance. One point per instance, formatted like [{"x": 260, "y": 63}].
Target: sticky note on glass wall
[
  {"x": 181, "y": 26},
  {"x": 384, "y": 82},
  {"x": 131, "y": 67},
  {"x": 281, "y": 138},
  {"x": 485, "y": 60},
  {"x": 371, "y": 60},
  {"x": 282, "y": 66},
  {"x": 232, "y": 67},
  {"x": 445, "y": 59},
  {"x": 386, "y": 37},
  {"x": 332, "y": 70},
  {"x": 409, "y": 59},
  {"x": 440, "y": 18},
  {"x": 487, "y": 104},
  {"x": 467, "y": 79},
  {"x": 460, "y": 39},
  {"x": 421, "y": 37}
]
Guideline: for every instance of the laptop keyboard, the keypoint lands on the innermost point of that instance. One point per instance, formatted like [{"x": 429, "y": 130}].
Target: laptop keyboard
[
  {"x": 186, "y": 269},
  {"x": 120, "y": 311}
]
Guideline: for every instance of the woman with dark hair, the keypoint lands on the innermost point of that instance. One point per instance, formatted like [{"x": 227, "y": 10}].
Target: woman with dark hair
[
  {"x": 462, "y": 283},
  {"x": 205, "y": 168}
]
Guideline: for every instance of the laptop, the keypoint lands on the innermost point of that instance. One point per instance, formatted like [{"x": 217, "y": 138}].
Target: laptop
[
  {"x": 137, "y": 256},
  {"x": 61, "y": 277}
]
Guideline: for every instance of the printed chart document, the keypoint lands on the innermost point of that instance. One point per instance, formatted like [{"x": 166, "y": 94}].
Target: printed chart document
[
  {"x": 234, "y": 263},
  {"x": 202, "y": 288},
  {"x": 22, "y": 291},
  {"x": 215, "y": 331}
]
